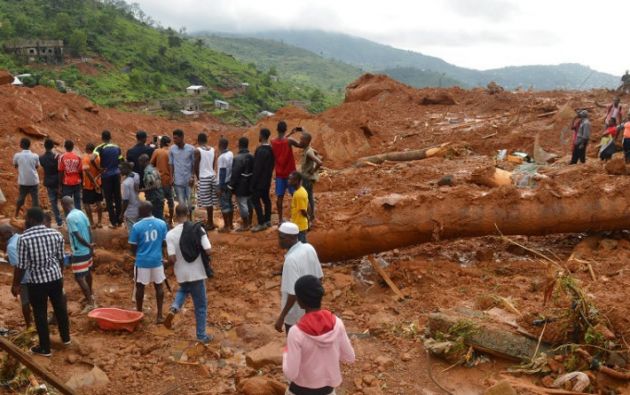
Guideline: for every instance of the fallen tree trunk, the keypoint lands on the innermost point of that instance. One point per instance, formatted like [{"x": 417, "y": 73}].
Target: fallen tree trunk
[
  {"x": 404, "y": 155},
  {"x": 485, "y": 335},
  {"x": 27, "y": 361},
  {"x": 399, "y": 221},
  {"x": 427, "y": 217}
]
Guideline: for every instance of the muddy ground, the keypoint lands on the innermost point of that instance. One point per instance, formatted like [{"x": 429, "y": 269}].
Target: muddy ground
[{"x": 379, "y": 116}]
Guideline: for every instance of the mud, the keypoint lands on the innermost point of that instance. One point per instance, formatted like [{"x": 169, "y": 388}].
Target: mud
[{"x": 395, "y": 205}]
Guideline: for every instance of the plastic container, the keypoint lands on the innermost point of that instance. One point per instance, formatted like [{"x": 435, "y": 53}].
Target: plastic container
[{"x": 113, "y": 319}]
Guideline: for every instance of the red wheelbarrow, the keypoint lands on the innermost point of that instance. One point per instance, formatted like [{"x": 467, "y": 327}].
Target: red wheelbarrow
[{"x": 112, "y": 319}]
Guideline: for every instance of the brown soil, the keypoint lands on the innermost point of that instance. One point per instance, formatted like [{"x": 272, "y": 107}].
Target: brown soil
[{"x": 386, "y": 334}]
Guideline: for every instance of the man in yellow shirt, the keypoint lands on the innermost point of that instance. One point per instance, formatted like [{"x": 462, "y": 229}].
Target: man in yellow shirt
[{"x": 299, "y": 205}]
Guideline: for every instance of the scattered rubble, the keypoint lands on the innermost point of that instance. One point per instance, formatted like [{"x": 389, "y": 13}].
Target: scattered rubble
[{"x": 437, "y": 225}]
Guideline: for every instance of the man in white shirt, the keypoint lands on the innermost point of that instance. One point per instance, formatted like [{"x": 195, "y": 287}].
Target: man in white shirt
[
  {"x": 191, "y": 276},
  {"x": 300, "y": 260},
  {"x": 224, "y": 171},
  {"x": 26, "y": 163}
]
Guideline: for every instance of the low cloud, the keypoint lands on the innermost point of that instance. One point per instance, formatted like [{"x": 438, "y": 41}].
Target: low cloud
[
  {"x": 418, "y": 38},
  {"x": 492, "y": 10}
]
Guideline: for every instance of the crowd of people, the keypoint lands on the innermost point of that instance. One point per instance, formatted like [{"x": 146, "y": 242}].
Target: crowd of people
[
  {"x": 616, "y": 133},
  {"x": 316, "y": 339}
]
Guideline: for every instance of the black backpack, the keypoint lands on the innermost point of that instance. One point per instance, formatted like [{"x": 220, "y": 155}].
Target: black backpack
[{"x": 190, "y": 245}]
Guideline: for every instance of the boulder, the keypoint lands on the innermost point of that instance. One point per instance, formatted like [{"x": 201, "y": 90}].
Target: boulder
[
  {"x": 269, "y": 354},
  {"x": 261, "y": 386},
  {"x": 256, "y": 334},
  {"x": 32, "y": 131},
  {"x": 94, "y": 378},
  {"x": 438, "y": 99},
  {"x": 616, "y": 166}
]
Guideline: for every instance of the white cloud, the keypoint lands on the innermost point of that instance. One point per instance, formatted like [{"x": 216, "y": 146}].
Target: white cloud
[{"x": 470, "y": 33}]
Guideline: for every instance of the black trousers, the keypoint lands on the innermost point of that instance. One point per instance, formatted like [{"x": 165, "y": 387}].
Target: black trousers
[
  {"x": 579, "y": 154},
  {"x": 39, "y": 295},
  {"x": 32, "y": 190},
  {"x": 262, "y": 205},
  {"x": 113, "y": 198}
]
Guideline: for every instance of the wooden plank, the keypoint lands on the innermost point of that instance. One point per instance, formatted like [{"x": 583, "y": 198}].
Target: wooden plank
[
  {"x": 385, "y": 277},
  {"x": 27, "y": 361}
]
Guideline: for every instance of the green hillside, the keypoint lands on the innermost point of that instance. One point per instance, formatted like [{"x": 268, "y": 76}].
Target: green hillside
[
  {"x": 422, "y": 78},
  {"x": 373, "y": 56},
  {"x": 136, "y": 61},
  {"x": 292, "y": 63}
]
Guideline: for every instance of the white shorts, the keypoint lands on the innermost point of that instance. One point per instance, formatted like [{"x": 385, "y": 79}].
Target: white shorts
[{"x": 154, "y": 275}]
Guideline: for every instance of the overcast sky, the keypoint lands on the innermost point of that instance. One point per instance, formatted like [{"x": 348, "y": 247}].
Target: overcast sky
[{"x": 479, "y": 34}]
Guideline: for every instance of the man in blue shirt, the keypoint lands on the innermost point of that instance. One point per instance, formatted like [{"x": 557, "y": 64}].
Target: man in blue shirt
[
  {"x": 9, "y": 242},
  {"x": 82, "y": 248},
  {"x": 110, "y": 157},
  {"x": 181, "y": 158},
  {"x": 146, "y": 239}
]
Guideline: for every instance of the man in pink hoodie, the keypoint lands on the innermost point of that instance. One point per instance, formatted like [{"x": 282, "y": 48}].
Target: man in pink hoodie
[{"x": 316, "y": 345}]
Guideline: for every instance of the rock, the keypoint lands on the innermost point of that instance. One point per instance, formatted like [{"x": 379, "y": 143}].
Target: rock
[
  {"x": 94, "y": 378},
  {"x": 255, "y": 334},
  {"x": 369, "y": 379},
  {"x": 438, "y": 99},
  {"x": 501, "y": 388},
  {"x": 261, "y": 386},
  {"x": 406, "y": 357},
  {"x": 341, "y": 280},
  {"x": 358, "y": 383},
  {"x": 616, "y": 359},
  {"x": 270, "y": 354},
  {"x": 72, "y": 358},
  {"x": 32, "y": 131},
  {"x": 445, "y": 181},
  {"x": 616, "y": 166},
  {"x": 5, "y": 77},
  {"x": 379, "y": 322},
  {"x": 384, "y": 361},
  {"x": 493, "y": 88},
  {"x": 91, "y": 108}
]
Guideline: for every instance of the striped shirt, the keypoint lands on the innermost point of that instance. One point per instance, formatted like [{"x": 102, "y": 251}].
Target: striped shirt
[{"x": 40, "y": 251}]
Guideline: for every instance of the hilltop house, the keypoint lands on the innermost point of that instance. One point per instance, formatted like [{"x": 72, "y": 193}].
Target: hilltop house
[
  {"x": 196, "y": 90},
  {"x": 222, "y": 105},
  {"x": 40, "y": 51}
]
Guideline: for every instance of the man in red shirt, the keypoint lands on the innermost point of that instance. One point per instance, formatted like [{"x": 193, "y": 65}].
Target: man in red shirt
[
  {"x": 70, "y": 169},
  {"x": 284, "y": 165}
]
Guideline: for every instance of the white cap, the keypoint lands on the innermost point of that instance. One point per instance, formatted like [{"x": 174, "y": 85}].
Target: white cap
[{"x": 289, "y": 228}]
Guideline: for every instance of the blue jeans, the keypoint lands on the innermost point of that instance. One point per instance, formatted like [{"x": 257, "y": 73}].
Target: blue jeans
[
  {"x": 197, "y": 290},
  {"x": 225, "y": 200},
  {"x": 54, "y": 203},
  {"x": 74, "y": 191},
  {"x": 183, "y": 194},
  {"x": 244, "y": 206}
]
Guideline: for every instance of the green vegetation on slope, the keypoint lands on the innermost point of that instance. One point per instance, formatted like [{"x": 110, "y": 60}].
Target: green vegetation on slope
[
  {"x": 422, "y": 78},
  {"x": 138, "y": 62},
  {"x": 293, "y": 63},
  {"x": 373, "y": 56}
]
